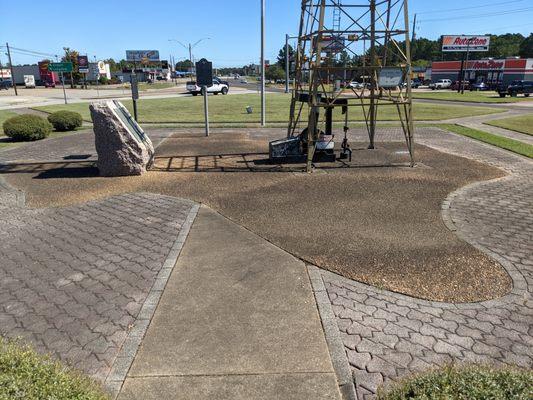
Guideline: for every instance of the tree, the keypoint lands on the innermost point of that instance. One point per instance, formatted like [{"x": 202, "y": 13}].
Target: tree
[
  {"x": 507, "y": 45},
  {"x": 526, "y": 47},
  {"x": 275, "y": 72},
  {"x": 184, "y": 66},
  {"x": 281, "y": 57},
  {"x": 72, "y": 56}
]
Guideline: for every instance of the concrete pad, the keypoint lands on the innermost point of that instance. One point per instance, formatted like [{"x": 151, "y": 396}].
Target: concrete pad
[
  {"x": 235, "y": 305},
  {"x": 237, "y": 387}
]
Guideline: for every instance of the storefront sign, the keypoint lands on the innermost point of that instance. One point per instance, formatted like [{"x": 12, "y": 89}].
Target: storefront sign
[
  {"x": 83, "y": 64},
  {"x": 465, "y": 43}
]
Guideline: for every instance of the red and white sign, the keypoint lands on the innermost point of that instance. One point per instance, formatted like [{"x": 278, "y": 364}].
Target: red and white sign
[{"x": 465, "y": 43}]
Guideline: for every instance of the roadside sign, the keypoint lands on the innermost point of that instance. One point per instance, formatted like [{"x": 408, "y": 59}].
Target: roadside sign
[
  {"x": 60, "y": 67},
  {"x": 140, "y": 55},
  {"x": 101, "y": 67},
  {"x": 463, "y": 43},
  {"x": 83, "y": 64},
  {"x": 134, "y": 88},
  {"x": 204, "y": 73}
]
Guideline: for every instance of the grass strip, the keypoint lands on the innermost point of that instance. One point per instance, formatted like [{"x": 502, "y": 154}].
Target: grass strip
[{"x": 515, "y": 146}]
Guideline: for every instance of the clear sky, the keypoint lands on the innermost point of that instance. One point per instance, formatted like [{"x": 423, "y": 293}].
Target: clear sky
[{"x": 106, "y": 28}]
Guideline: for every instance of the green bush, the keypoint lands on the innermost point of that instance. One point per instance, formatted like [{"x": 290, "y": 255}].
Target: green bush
[
  {"x": 65, "y": 120},
  {"x": 467, "y": 382},
  {"x": 27, "y": 127},
  {"x": 24, "y": 374}
]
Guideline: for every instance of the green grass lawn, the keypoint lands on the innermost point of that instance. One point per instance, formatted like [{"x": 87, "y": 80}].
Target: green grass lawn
[
  {"x": 522, "y": 123},
  {"x": 505, "y": 143},
  {"x": 4, "y": 115},
  {"x": 232, "y": 109},
  {"x": 475, "y": 97}
]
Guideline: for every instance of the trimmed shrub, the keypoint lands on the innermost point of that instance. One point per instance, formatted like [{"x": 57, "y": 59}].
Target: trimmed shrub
[
  {"x": 24, "y": 374},
  {"x": 65, "y": 120},
  {"x": 27, "y": 127},
  {"x": 466, "y": 382}
]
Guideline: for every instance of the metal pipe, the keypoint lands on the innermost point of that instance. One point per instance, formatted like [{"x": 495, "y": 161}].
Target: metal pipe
[
  {"x": 263, "y": 103},
  {"x": 287, "y": 59}
]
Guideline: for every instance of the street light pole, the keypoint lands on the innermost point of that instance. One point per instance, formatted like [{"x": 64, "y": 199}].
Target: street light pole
[
  {"x": 287, "y": 59},
  {"x": 189, "y": 48},
  {"x": 263, "y": 105}
]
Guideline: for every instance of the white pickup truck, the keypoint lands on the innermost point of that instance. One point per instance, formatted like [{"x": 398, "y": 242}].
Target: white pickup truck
[
  {"x": 441, "y": 84},
  {"x": 216, "y": 88}
]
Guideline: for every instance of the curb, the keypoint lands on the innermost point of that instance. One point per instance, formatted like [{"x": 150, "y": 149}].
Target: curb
[
  {"x": 333, "y": 338},
  {"x": 121, "y": 366}
]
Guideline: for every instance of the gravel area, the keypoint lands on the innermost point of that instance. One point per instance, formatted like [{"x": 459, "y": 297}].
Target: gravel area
[{"x": 379, "y": 224}]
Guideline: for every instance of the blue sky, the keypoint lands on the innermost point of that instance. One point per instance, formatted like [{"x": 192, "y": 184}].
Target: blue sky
[{"x": 106, "y": 28}]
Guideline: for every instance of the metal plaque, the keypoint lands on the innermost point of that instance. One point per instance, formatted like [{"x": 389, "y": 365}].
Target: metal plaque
[
  {"x": 390, "y": 77},
  {"x": 204, "y": 73}
]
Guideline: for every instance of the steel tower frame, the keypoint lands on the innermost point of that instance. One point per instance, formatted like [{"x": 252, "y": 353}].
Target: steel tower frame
[{"x": 376, "y": 37}]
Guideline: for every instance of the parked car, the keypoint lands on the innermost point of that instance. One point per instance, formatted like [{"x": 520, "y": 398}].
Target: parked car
[
  {"x": 456, "y": 85},
  {"x": 216, "y": 88},
  {"x": 244, "y": 81},
  {"x": 441, "y": 84},
  {"x": 479, "y": 86},
  {"x": 516, "y": 88},
  {"x": 49, "y": 84},
  {"x": 5, "y": 84},
  {"x": 358, "y": 85},
  {"x": 416, "y": 83}
]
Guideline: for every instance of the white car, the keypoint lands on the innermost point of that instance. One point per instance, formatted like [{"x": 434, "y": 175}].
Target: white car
[
  {"x": 441, "y": 84},
  {"x": 216, "y": 88}
]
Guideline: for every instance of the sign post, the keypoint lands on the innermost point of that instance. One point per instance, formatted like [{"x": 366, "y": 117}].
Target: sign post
[
  {"x": 204, "y": 78},
  {"x": 134, "y": 94},
  {"x": 83, "y": 68},
  {"x": 61, "y": 67}
]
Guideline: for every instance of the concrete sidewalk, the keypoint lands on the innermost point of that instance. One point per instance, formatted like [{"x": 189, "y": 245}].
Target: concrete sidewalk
[{"x": 237, "y": 320}]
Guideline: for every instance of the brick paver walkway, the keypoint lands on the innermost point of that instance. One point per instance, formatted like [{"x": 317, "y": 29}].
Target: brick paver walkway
[
  {"x": 388, "y": 335},
  {"x": 73, "y": 280},
  {"x": 72, "y": 147}
]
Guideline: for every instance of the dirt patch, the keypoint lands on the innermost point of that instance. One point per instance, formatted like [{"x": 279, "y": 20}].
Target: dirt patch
[{"x": 378, "y": 224}]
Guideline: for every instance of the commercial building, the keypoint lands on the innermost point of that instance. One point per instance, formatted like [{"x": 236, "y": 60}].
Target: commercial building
[{"x": 490, "y": 71}]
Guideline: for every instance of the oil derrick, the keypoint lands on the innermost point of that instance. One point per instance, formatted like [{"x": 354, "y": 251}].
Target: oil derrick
[{"x": 362, "y": 60}]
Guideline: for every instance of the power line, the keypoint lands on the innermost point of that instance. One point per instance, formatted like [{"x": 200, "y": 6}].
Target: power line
[
  {"x": 501, "y": 3},
  {"x": 474, "y": 16}
]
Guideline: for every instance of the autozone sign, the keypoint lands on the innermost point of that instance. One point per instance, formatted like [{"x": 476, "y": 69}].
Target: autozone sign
[{"x": 465, "y": 43}]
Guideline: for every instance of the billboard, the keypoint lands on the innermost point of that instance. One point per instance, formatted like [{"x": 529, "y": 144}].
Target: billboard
[
  {"x": 83, "y": 64},
  {"x": 465, "y": 43},
  {"x": 142, "y": 55}
]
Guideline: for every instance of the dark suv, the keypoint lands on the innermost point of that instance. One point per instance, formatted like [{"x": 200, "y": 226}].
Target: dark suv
[
  {"x": 516, "y": 88},
  {"x": 5, "y": 84}
]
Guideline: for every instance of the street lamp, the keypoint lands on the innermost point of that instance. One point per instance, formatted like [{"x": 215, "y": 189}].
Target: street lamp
[
  {"x": 263, "y": 103},
  {"x": 189, "y": 47}
]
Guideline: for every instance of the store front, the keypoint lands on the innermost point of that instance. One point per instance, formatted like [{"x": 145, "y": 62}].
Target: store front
[{"x": 492, "y": 72}]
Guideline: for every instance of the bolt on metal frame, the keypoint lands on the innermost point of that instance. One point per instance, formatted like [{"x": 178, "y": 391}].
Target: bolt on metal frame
[{"x": 374, "y": 35}]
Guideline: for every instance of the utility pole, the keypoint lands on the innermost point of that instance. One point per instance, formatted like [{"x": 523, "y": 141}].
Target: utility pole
[
  {"x": 287, "y": 60},
  {"x": 413, "y": 34},
  {"x": 263, "y": 104},
  {"x": 11, "y": 68}
]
